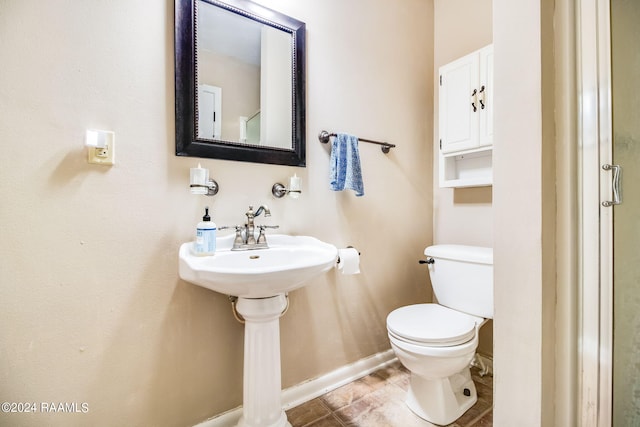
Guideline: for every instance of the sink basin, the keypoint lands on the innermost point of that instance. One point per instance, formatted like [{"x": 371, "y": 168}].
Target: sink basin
[{"x": 286, "y": 265}]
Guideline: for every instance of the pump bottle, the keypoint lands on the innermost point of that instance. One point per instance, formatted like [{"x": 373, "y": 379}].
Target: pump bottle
[{"x": 205, "y": 243}]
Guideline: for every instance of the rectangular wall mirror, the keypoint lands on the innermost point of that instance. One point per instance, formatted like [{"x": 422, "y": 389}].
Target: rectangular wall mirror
[{"x": 240, "y": 82}]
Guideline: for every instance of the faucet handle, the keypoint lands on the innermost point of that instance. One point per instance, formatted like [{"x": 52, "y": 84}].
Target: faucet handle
[
  {"x": 238, "y": 241},
  {"x": 261, "y": 237}
]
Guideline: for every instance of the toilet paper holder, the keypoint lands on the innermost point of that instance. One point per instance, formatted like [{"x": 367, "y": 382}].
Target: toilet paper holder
[{"x": 348, "y": 247}]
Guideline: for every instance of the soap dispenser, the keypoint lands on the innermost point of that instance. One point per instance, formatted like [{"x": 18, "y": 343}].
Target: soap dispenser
[{"x": 205, "y": 243}]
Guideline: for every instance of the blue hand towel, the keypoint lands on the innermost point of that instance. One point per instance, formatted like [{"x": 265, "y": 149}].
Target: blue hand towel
[{"x": 345, "y": 164}]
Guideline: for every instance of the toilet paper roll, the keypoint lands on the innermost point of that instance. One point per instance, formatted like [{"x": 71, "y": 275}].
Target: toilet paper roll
[{"x": 349, "y": 261}]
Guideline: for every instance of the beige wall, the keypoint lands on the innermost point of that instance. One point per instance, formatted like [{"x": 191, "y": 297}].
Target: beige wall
[
  {"x": 462, "y": 215},
  {"x": 524, "y": 214},
  {"x": 92, "y": 309}
]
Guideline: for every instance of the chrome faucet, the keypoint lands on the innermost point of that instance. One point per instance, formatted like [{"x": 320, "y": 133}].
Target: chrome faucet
[
  {"x": 250, "y": 238},
  {"x": 245, "y": 236}
]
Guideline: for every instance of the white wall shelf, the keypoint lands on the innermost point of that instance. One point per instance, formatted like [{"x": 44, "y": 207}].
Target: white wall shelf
[{"x": 469, "y": 169}]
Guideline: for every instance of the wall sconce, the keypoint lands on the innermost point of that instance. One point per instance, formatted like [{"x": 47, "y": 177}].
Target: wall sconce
[
  {"x": 201, "y": 183},
  {"x": 278, "y": 190}
]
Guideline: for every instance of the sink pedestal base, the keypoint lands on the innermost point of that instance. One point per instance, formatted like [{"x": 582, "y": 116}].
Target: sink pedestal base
[{"x": 262, "y": 402}]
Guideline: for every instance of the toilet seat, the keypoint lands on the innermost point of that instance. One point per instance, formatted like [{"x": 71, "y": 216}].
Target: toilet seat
[{"x": 431, "y": 325}]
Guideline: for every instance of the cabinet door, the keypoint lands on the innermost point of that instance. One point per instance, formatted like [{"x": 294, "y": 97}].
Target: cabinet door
[
  {"x": 458, "y": 121},
  {"x": 485, "y": 96}
]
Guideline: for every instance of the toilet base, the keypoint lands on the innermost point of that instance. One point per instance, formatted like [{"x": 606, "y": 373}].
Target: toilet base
[{"x": 441, "y": 401}]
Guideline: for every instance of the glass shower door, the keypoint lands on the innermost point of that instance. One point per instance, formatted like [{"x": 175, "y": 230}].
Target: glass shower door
[{"x": 625, "y": 50}]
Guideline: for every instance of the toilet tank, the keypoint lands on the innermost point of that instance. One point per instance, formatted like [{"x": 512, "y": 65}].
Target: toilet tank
[{"x": 462, "y": 278}]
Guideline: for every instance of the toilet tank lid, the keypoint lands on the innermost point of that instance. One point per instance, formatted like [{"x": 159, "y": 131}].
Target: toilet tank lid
[{"x": 475, "y": 254}]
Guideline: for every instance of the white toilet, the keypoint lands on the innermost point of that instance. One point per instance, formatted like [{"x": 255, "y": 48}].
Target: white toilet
[{"x": 437, "y": 342}]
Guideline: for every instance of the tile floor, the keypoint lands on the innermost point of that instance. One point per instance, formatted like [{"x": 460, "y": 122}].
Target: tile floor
[{"x": 377, "y": 400}]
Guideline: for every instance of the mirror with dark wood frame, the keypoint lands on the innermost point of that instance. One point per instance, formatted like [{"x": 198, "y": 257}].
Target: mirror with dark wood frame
[{"x": 239, "y": 82}]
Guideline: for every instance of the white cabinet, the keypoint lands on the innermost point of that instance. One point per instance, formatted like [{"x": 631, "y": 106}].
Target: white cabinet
[{"x": 466, "y": 120}]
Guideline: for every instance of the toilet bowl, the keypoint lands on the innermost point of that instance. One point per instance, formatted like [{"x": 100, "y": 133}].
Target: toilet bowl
[{"x": 437, "y": 342}]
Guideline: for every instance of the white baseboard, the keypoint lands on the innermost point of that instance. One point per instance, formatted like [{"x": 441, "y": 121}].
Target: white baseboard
[{"x": 311, "y": 389}]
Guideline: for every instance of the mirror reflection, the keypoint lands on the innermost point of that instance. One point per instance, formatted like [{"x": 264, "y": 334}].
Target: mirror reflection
[
  {"x": 239, "y": 82},
  {"x": 244, "y": 80}
]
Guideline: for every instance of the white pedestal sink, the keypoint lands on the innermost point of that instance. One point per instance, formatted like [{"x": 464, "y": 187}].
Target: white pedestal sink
[{"x": 260, "y": 279}]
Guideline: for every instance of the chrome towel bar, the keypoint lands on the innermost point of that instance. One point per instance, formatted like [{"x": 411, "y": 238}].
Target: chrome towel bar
[{"x": 325, "y": 136}]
